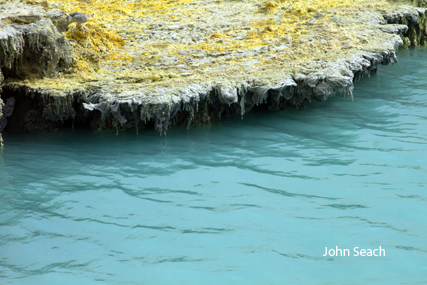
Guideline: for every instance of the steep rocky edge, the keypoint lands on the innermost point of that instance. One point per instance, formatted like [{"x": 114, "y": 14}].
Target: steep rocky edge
[
  {"x": 35, "y": 49},
  {"x": 30, "y": 47}
]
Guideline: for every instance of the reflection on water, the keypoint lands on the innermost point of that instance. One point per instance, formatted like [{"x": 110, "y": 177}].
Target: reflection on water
[{"x": 253, "y": 201}]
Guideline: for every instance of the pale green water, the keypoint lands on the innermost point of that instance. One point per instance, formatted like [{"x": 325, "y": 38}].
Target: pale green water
[{"x": 239, "y": 202}]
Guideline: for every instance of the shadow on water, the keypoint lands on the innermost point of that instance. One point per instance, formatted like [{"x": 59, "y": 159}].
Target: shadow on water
[{"x": 229, "y": 201}]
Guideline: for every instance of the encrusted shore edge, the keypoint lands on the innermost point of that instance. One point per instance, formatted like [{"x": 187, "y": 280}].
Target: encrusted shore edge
[{"x": 38, "y": 46}]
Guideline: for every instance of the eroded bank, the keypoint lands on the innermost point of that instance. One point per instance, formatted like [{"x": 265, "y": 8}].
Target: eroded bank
[{"x": 159, "y": 67}]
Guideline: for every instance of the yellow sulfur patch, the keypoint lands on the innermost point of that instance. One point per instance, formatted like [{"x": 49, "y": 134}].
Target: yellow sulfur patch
[
  {"x": 271, "y": 4},
  {"x": 218, "y": 35},
  {"x": 144, "y": 41}
]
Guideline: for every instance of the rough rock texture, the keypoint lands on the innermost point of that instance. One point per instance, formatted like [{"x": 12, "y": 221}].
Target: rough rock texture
[
  {"x": 30, "y": 47},
  {"x": 7, "y": 111},
  {"x": 194, "y": 61},
  {"x": 32, "y": 50}
]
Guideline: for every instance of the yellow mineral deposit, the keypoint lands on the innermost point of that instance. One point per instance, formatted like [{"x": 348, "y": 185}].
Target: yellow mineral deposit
[
  {"x": 204, "y": 40},
  {"x": 181, "y": 61}
]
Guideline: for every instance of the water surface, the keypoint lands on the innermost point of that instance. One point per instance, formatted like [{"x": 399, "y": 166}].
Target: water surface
[{"x": 238, "y": 202}]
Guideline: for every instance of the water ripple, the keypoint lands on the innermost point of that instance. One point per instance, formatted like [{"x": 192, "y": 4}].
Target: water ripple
[{"x": 252, "y": 201}]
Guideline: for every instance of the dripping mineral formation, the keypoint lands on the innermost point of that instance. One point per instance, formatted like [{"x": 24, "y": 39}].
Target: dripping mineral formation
[{"x": 133, "y": 64}]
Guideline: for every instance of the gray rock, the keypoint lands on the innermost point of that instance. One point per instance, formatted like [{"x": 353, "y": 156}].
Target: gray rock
[{"x": 7, "y": 112}]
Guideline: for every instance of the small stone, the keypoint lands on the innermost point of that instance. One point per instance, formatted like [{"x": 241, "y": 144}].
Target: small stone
[{"x": 77, "y": 17}]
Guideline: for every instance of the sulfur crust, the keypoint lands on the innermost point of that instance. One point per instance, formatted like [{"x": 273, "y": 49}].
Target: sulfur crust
[{"x": 108, "y": 47}]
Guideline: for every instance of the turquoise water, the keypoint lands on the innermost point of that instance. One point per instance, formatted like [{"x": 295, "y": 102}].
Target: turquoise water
[{"x": 238, "y": 202}]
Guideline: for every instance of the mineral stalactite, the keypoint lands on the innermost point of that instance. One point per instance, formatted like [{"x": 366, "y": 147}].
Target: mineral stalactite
[{"x": 117, "y": 64}]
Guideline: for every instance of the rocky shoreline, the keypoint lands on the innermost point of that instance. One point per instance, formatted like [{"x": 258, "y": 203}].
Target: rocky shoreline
[{"x": 51, "y": 80}]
